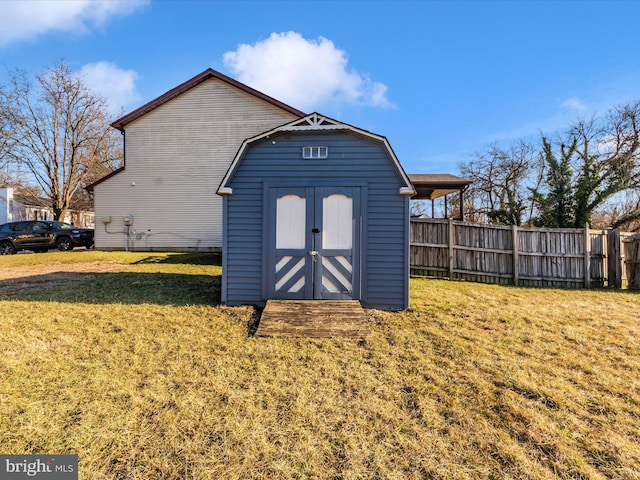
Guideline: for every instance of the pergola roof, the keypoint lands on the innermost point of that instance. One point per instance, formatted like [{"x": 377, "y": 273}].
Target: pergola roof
[{"x": 430, "y": 186}]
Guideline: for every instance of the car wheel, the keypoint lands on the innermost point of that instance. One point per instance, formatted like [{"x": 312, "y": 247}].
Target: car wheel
[
  {"x": 64, "y": 244},
  {"x": 6, "y": 248}
]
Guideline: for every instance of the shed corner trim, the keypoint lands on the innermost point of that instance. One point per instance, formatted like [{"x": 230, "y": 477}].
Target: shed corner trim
[
  {"x": 407, "y": 191},
  {"x": 225, "y": 191}
]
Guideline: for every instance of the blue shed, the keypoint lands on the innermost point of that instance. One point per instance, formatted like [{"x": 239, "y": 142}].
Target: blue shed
[{"x": 316, "y": 209}]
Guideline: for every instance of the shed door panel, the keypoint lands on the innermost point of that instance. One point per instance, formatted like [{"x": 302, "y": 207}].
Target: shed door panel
[
  {"x": 334, "y": 276},
  {"x": 315, "y": 234},
  {"x": 291, "y": 267}
]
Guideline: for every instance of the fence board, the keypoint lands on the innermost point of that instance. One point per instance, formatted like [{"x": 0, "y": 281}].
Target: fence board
[
  {"x": 632, "y": 261},
  {"x": 510, "y": 255}
]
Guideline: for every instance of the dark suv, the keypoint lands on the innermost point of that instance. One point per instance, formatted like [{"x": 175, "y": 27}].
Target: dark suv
[{"x": 41, "y": 236}]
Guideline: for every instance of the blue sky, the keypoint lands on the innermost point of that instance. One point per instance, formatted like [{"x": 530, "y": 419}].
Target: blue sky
[{"x": 441, "y": 80}]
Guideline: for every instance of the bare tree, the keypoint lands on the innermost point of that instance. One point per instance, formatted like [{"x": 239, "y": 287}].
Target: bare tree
[
  {"x": 501, "y": 182},
  {"x": 6, "y": 139},
  {"x": 623, "y": 214},
  {"x": 419, "y": 208},
  {"x": 621, "y": 158},
  {"x": 59, "y": 131}
]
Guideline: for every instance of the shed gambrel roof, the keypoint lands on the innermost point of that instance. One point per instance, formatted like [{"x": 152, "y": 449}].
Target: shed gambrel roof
[{"x": 315, "y": 122}]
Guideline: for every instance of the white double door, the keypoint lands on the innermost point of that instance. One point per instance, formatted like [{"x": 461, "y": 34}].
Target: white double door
[{"x": 314, "y": 241}]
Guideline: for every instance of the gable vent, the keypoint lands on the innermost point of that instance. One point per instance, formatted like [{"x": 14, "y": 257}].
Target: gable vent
[{"x": 315, "y": 152}]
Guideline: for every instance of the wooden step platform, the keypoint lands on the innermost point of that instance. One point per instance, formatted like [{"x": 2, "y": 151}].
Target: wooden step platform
[{"x": 313, "y": 318}]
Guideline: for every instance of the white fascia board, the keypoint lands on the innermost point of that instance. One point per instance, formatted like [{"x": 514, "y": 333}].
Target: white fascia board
[
  {"x": 223, "y": 189},
  {"x": 408, "y": 188}
]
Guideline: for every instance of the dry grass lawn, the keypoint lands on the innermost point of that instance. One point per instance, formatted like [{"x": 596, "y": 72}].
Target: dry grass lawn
[{"x": 144, "y": 375}]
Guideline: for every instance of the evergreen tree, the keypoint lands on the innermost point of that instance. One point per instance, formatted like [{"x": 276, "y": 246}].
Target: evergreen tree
[{"x": 557, "y": 208}]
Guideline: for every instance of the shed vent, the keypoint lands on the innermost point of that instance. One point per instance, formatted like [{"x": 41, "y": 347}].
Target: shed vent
[{"x": 315, "y": 152}]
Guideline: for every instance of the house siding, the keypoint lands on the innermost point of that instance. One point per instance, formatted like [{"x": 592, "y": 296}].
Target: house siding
[
  {"x": 176, "y": 155},
  {"x": 354, "y": 161}
]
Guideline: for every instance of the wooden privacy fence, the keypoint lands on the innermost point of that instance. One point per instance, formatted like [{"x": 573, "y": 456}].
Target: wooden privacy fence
[
  {"x": 624, "y": 273},
  {"x": 527, "y": 256}
]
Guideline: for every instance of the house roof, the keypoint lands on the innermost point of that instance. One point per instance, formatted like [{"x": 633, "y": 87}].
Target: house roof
[
  {"x": 180, "y": 89},
  {"x": 315, "y": 122},
  {"x": 89, "y": 188},
  {"x": 432, "y": 186},
  {"x": 193, "y": 82},
  {"x": 31, "y": 200},
  {"x": 40, "y": 202}
]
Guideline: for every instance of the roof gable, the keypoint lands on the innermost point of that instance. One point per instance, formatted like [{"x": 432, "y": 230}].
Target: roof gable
[
  {"x": 89, "y": 188},
  {"x": 183, "y": 88},
  {"x": 316, "y": 122},
  {"x": 193, "y": 82}
]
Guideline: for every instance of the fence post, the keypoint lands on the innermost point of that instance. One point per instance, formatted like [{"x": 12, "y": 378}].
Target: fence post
[
  {"x": 605, "y": 258},
  {"x": 451, "y": 235},
  {"x": 587, "y": 258},
  {"x": 516, "y": 262},
  {"x": 614, "y": 258}
]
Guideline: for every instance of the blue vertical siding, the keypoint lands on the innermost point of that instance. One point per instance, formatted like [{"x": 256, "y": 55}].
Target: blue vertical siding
[{"x": 353, "y": 160}]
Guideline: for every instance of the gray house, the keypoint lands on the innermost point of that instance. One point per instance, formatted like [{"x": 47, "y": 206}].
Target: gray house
[
  {"x": 316, "y": 209},
  {"x": 177, "y": 149}
]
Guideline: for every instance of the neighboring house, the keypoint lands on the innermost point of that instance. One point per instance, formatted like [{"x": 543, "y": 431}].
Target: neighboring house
[
  {"x": 15, "y": 207},
  {"x": 316, "y": 210},
  {"x": 9, "y": 210},
  {"x": 178, "y": 148}
]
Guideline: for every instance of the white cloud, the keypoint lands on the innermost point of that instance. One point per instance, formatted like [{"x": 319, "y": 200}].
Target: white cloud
[
  {"x": 575, "y": 104},
  {"x": 304, "y": 73},
  {"x": 25, "y": 20},
  {"x": 113, "y": 83}
]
